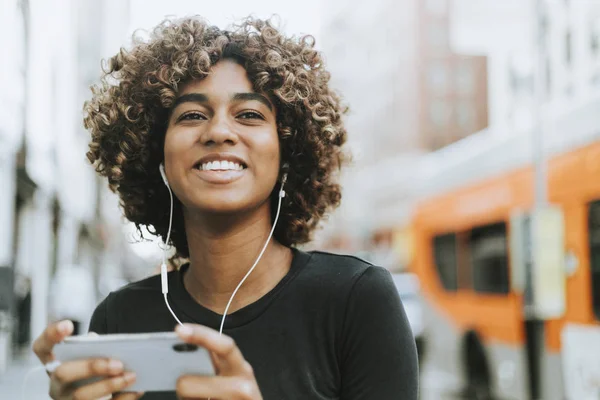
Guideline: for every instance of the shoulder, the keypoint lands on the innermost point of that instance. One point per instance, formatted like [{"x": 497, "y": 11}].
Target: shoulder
[
  {"x": 134, "y": 291},
  {"x": 150, "y": 283},
  {"x": 346, "y": 269},
  {"x": 338, "y": 263},
  {"x": 331, "y": 276},
  {"x": 356, "y": 282},
  {"x": 133, "y": 299}
]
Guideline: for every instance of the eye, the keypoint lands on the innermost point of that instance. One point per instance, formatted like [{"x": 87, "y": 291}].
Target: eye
[
  {"x": 250, "y": 115},
  {"x": 193, "y": 115}
]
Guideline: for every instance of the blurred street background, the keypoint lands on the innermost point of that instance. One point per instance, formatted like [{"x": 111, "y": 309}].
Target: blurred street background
[{"x": 475, "y": 129}]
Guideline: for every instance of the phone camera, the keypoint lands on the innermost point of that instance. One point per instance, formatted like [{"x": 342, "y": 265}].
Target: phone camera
[{"x": 185, "y": 347}]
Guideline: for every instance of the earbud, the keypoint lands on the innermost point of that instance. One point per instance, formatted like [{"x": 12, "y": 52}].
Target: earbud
[
  {"x": 284, "y": 168},
  {"x": 161, "y": 168}
]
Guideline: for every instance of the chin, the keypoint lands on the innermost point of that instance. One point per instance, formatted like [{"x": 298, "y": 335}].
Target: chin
[
  {"x": 224, "y": 208},
  {"x": 222, "y": 205}
]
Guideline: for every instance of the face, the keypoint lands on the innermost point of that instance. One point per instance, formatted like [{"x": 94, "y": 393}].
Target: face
[{"x": 221, "y": 146}]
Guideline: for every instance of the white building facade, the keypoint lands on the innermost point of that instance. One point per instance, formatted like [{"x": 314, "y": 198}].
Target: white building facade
[
  {"x": 50, "y": 211},
  {"x": 570, "y": 64}
]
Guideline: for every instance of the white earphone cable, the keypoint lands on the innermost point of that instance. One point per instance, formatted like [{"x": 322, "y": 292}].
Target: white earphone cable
[
  {"x": 163, "y": 267},
  {"x": 170, "y": 225},
  {"x": 171, "y": 310},
  {"x": 281, "y": 195}
]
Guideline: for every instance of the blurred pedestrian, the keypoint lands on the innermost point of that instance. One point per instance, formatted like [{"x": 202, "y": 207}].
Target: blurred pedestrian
[
  {"x": 229, "y": 144},
  {"x": 23, "y": 311}
]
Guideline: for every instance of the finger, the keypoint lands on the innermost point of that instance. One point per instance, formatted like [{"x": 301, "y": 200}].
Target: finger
[
  {"x": 52, "y": 335},
  {"x": 105, "y": 387},
  {"x": 230, "y": 360},
  {"x": 73, "y": 371},
  {"x": 215, "y": 362},
  {"x": 221, "y": 387},
  {"x": 127, "y": 396}
]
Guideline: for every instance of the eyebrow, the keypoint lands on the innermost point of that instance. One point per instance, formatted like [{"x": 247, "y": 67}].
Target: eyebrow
[
  {"x": 252, "y": 96},
  {"x": 202, "y": 98},
  {"x": 190, "y": 98}
]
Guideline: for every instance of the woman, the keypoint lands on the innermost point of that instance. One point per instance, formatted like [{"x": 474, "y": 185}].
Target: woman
[{"x": 230, "y": 116}]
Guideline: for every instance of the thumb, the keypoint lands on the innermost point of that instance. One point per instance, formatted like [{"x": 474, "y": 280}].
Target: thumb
[{"x": 53, "y": 334}]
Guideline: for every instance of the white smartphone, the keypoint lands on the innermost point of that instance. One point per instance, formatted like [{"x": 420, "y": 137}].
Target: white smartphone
[{"x": 158, "y": 359}]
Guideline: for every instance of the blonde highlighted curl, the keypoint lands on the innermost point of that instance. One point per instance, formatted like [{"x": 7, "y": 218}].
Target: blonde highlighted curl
[{"x": 128, "y": 115}]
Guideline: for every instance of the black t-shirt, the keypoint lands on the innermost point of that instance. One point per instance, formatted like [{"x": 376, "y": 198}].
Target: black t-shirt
[{"x": 332, "y": 328}]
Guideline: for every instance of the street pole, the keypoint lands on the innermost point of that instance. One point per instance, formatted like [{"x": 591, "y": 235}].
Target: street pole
[
  {"x": 534, "y": 323},
  {"x": 540, "y": 80}
]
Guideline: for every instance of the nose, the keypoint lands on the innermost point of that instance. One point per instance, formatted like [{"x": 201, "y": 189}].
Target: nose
[{"x": 220, "y": 130}]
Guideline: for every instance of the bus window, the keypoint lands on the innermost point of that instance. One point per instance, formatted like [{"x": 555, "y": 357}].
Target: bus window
[
  {"x": 444, "y": 249},
  {"x": 594, "y": 228},
  {"x": 489, "y": 259}
]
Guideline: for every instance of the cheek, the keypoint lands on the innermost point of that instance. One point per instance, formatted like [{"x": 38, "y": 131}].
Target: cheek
[
  {"x": 172, "y": 142},
  {"x": 268, "y": 152},
  {"x": 175, "y": 146}
]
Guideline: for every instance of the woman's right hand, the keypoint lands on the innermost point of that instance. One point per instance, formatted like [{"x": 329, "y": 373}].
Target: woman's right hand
[{"x": 66, "y": 374}]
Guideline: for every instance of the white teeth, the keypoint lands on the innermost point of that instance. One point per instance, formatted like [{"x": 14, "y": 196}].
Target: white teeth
[{"x": 221, "y": 166}]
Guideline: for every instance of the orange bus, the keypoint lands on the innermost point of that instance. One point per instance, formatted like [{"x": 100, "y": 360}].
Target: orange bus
[{"x": 479, "y": 340}]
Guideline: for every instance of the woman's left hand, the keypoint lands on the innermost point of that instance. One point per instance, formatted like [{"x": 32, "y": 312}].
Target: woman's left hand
[{"x": 235, "y": 377}]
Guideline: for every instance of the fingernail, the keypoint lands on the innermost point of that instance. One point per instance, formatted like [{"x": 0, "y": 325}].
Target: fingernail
[
  {"x": 115, "y": 365},
  {"x": 185, "y": 330},
  {"x": 129, "y": 376},
  {"x": 65, "y": 326}
]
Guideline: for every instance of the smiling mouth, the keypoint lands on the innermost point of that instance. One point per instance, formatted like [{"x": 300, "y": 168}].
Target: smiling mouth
[
  {"x": 220, "y": 172},
  {"x": 220, "y": 166}
]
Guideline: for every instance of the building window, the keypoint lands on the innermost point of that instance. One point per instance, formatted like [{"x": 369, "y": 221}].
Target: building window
[
  {"x": 465, "y": 116},
  {"x": 489, "y": 259},
  {"x": 465, "y": 78},
  {"x": 437, "y": 7},
  {"x": 437, "y": 78},
  {"x": 569, "y": 48},
  {"x": 594, "y": 237},
  {"x": 439, "y": 113},
  {"x": 444, "y": 251}
]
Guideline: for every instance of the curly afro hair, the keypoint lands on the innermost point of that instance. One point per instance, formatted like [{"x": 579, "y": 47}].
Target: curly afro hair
[{"x": 128, "y": 115}]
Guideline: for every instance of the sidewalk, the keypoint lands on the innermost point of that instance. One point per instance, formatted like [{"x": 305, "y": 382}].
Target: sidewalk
[{"x": 13, "y": 381}]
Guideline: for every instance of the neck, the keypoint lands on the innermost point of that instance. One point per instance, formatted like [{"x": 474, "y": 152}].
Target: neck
[{"x": 222, "y": 251}]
